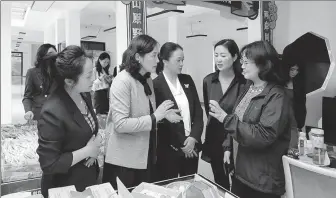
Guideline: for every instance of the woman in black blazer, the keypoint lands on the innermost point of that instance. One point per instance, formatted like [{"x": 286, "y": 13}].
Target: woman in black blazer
[
  {"x": 68, "y": 141},
  {"x": 34, "y": 96},
  {"x": 178, "y": 142},
  {"x": 223, "y": 86}
]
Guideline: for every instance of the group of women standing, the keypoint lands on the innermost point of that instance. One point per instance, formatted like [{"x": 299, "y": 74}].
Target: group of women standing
[{"x": 155, "y": 126}]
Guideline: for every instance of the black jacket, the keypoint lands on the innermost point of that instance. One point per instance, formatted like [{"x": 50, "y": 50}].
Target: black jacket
[
  {"x": 263, "y": 138},
  {"x": 62, "y": 129},
  {"x": 215, "y": 133},
  {"x": 33, "y": 99},
  {"x": 173, "y": 133}
]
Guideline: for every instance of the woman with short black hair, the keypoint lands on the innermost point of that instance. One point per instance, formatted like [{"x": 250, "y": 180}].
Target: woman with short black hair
[{"x": 260, "y": 124}]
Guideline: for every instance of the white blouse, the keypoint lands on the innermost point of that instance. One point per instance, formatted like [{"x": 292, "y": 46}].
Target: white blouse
[
  {"x": 99, "y": 84},
  {"x": 182, "y": 103}
]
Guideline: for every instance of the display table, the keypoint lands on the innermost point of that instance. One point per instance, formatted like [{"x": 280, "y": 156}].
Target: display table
[
  {"x": 33, "y": 186},
  {"x": 222, "y": 191}
]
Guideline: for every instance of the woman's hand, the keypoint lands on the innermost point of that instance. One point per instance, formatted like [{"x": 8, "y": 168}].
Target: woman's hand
[
  {"x": 188, "y": 149},
  {"x": 216, "y": 111},
  {"x": 189, "y": 154},
  {"x": 29, "y": 115},
  {"x": 172, "y": 116},
  {"x": 93, "y": 147},
  {"x": 189, "y": 144},
  {"x": 227, "y": 157},
  {"x": 90, "y": 161},
  {"x": 162, "y": 110},
  {"x": 108, "y": 79}
]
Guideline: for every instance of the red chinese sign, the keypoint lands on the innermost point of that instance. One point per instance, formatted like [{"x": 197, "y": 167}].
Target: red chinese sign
[
  {"x": 269, "y": 17},
  {"x": 137, "y": 23}
]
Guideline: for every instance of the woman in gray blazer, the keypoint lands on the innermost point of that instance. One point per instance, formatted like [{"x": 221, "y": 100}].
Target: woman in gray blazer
[{"x": 132, "y": 118}]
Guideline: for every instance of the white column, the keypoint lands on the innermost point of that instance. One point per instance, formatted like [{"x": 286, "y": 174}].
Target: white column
[
  {"x": 49, "y": 34},
  {"x": 60, "y": 31},
  {"x": 121, "y": 30},
  {"x": 6, "y": 66},
  {"x": 72, "y": 28},
  {"x": 172, "y": 27},
  {"x": 254, "y": 28}
]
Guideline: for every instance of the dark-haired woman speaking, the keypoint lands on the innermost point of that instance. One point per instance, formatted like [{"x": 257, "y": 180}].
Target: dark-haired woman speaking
[
  {"x": 131, "y": 121},
  {"x": 260, "y": 124}
]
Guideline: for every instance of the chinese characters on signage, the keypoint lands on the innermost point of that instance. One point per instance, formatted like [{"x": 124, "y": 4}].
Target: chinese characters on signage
[
  {"x": 136, "y": 19},
  {"x": 269, "y": 17}
]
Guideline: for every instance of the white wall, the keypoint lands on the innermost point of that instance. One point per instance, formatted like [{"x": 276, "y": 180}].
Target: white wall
[
  {"x": 199, "y": 50},
  {"x": 158, "y": 29},
  {"x": 296, "y": 18},
  {"x": 109, "y": 38}
]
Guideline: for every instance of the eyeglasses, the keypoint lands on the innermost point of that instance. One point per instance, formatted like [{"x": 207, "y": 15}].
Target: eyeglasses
[{"x": 245, "y": 62}]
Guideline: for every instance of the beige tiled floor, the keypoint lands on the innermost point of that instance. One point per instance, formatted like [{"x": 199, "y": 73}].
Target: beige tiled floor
[{"x": 18, "y": 113}]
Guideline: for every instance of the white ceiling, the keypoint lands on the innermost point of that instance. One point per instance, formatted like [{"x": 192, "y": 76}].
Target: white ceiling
[{"x": 94, "y": 15}]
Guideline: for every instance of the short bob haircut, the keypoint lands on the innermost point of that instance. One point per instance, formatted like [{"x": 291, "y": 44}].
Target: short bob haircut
[
  {"x": 233, "y": 49},
  {"x": 142, "y": 44},
  {"x": 266, "y": 58}
]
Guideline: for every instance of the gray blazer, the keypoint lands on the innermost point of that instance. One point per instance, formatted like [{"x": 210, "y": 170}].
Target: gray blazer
[{"x": 128, "y": 122}]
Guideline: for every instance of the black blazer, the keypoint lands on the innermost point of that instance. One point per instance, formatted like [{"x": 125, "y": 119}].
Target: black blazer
[
  {"x": 215, "y": 134},
  {"x": 62, "y": 129},
  {"x": 173, "y": 134},
  {"x": 33, "y": 99}
]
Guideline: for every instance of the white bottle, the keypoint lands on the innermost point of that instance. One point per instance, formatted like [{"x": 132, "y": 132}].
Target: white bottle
[{"x": 302, "y": 143}]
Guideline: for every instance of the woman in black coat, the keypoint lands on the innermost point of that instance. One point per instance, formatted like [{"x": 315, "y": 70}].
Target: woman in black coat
[
  {"x": 223, "y": 86},
  {"x": 179, "y": 136},
  {"x": 260, "y": 124},
  {"x": 34, "y": 96},
  {"x": 68, "y": 142}
]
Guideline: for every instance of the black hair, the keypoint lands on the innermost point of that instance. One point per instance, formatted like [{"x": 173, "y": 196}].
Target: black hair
[
  {"x": 68, "y": 64},
  {"x": 142, "y": 44},
  {"x": 41, "y": 53},
  {"x": 165, "y": 53},
  {"x": 233, "y": 49},
  {"x": 266, "y": 59},
  {"x": 99, "y": 68},
  {"x": 125, "y": 55}
]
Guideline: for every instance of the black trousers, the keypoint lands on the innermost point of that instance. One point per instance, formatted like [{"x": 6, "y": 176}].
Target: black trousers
[
  {"x": 171, "y": 165},
  {"x": 219, "y": 174},
  {"x": 129, "y": 176},
  {"x": 243, "y": 191},
  {"x": 101, "y": 101}
]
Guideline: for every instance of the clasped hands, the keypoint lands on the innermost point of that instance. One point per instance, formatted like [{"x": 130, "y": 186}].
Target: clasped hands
[
  {"x": 94, "y": 143},
  {"x": 164, "y": 111}
]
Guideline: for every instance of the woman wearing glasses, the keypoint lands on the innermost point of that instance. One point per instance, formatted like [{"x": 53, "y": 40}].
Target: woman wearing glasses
[
  {"x": 179, "y": 135},
  {"x": 260, "y": 124}
]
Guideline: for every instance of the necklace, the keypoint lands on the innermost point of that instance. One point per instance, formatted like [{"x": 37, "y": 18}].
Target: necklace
[
  {"x": 258, "y": 88},
  {"x": 85, "y": 106}
]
